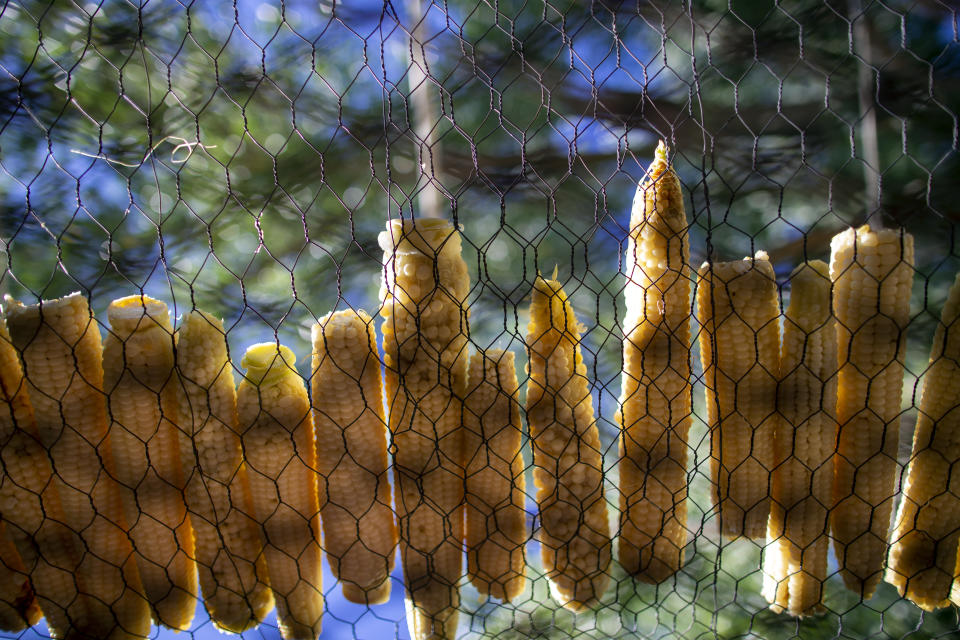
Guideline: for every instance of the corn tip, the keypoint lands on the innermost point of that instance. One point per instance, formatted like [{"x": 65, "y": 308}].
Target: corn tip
[
  {"x": 265, "y": 362},
  {"x": 662, "y": 151},
  {"x": 135, "y": 307}
]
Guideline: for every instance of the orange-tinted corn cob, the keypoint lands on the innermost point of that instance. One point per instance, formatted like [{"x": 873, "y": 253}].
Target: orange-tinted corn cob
[
  {"x": 359, "y": 527},
  {"x": 18, "y": 603},
  {"x": 872, "y": 272},
  {"x": 141, "y": 381},
  {"x": 496, "y": 519},
  {"x": 278, "y": 440},
  {"x": 425, "y": 348},
  {"x": 923, "y": 547},
  {"x": 228, "y": 540},
  {"x": 60, "y": 346},
  {"x": 567, "y": 457},
  {"x": 795, "y": 561},
  {"x": 740, "y": 348},
  {"x": 655, "y": 411}
]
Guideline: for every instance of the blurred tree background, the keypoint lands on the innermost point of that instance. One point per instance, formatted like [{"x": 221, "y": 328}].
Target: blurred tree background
[{"x": 242, "y": 158}]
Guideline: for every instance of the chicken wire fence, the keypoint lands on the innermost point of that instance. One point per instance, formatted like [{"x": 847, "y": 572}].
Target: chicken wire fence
[{"x": 634, "y": 454}]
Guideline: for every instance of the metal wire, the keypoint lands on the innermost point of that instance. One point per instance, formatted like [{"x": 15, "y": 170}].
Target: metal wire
[{"x": 243, "y": 158}]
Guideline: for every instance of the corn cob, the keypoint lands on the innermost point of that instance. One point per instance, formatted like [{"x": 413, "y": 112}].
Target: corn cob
[
  {"x": 278, "y": 440},
  {"x": 424, "y": 342},
  {"x": 228, "y": 541},
  {"x": 923, "y": 547},
  {"x": 495, "y": 515},
  {"x": 795, "y": 562},
  {"x": 567, "y": 458},
  {"x": 359, "y": 527},
  {"x": 141, "y": 381},
  {"x": 59, "y": 342},
  {"x": 18, "y": 603},
  {"x": 655, "y": 401},
  {"x": 872, "y": 272},
  {"x": 740, "y": 347},
  {"x": 25, "y": 496}
]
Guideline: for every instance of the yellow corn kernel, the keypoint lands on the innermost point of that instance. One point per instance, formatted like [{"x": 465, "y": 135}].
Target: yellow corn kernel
[
  {"x": 141, "y": 381},
  {"x": 60, "y": 347},
  {"x": 567, "y": 456},
  {"x": 278, "y": 439},
  {"x": 425, "y": 355},
  {"x": 655, "y": 401},
  {"x": 923, "y": 547},
  {"x": 872, "y": 272},
  {"x": 495, "y": 515},
  {"x": 740, "y": 347},
  {"x": 228, "y": 542},
  {"x": 795, "y": 562},
  {"x": 359, "y": 526}
]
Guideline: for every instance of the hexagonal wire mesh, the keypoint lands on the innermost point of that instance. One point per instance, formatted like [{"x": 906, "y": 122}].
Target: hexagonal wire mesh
[{"x": 243, "y": 159}]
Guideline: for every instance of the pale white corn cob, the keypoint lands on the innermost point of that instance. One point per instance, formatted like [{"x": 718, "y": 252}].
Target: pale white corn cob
[
  {"x": 424, "y": 295},
  {"x": 567, "y": 457},
  {"x": 228, "y": 541},
  {"x": 655, "y": 401},
  {"x": 278, "y": 440},
  {"x": 145, "y": 436},
  {"x": 495, "y": 515},
  {"x": 60, "y": 347},
  {"x": 359, "y": 526},
  {"x": 738, "y": 309},
  {"x": 923, "y": 546},
  {"x": 872, "y": 273},
  {"x": 795, "y": 561}
]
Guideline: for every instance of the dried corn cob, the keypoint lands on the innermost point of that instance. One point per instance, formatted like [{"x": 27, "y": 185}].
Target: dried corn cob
[
  {"x": 141, "y": 381},
  {"x": 567, "y": 458},
  {"x": 740, "y": 347},
  {"x": 59, "y": 342},
  {"x": 872, "y": 272},
  {"x": 655, "y": 411},
  {"x": 278, "y": 440},
  {"x": 359, "y": 527},
  {"x": 228, "y": 541},
  {"x": 923, "y": 547},
  {"x": 424, "y": 342},
  {"x": 26, "y": 495},
  {"x": 795, "y": 562},
  {"x": 495, "y": 515},
  {"x": 18, "y": 603}
]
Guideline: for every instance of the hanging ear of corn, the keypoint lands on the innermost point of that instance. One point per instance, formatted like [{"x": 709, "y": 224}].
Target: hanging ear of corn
[
  {"x": 60, "y": 347},
  {"x": 496, "y": 519},
  {"x": 425, "y": 356},
  {"x": 278, "y": 439},
  {"x": 872, "y": 272},
  {"x": 740, "y": 346},
  {"x": 31, "y": 513},
  {"x": 923, "y": 547},
  {"x": 24, "y": 473},
  {"x": 228, "y": 541},
  {"x": 567, "y": 456},
  {"x": 359, "y": 527},
  {"x": 655, "y": 399},
  {"x": 18, "y": 603},
  {"x": 145, "y": 435},
  {"x": 795, "y": 561}
]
